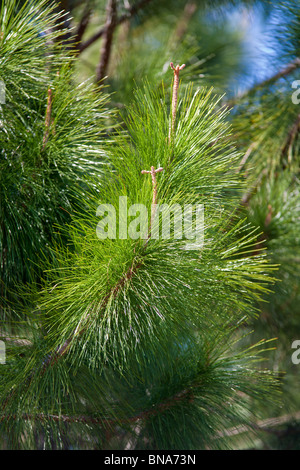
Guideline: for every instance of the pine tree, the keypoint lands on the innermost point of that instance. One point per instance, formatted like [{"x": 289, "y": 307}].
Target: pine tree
[{"x": 120, "y": 333}]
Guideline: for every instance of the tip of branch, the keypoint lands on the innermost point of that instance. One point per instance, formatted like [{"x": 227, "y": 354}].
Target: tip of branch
[{"x": 177, "y": 68}]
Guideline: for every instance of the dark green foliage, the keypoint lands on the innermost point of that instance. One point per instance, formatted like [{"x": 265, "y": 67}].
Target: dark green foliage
[
  {"x": 40, "y": 162},
  {"x": 143, "y": 343}
]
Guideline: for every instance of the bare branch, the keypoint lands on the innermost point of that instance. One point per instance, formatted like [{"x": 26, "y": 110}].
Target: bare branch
[
  {"x": 176, "y": 70},
  {"x": 47, "y": 118},
  {"x": 15, "y": 339},
  {"x": 286, "y": 150},
  {"x": 267, "y": 425},
  {"x": 287, "y": 70},
  {"x": 80, "y": 329},
  {"x": 126, "y": 16},
  {"x": 189, "y": 9},
  {"x": 83, "y": 24},
  {"x": 143, "y": 415},
  {"x": 111, "y": 22}
]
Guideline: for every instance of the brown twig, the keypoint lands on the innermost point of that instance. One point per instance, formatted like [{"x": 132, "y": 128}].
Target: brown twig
[
  {"x": 15, "y": 339},
  {"x": 47, "y": 118},
  {"x": 286, "y": 150},
  {"x": 131, "y": 12},
  {"x": 111, "y": 22},
  {"x": 182, "y": 26},
  {"x": 248, "y": 152},
  {"x": 287, "y": 70},
  {"x": 61, "y": 350},
  {"x": 83, "y": 24},
  {"x": 143, "y": 415},
  {"x": 64, "y": 23},
  {"x": 246, "y": 198},
  {"x": 269, "y": 215},
  {"x": 176, "y": 69},
  {"x": 266, "y": 425},
  {"x": 153, "y": 172}
]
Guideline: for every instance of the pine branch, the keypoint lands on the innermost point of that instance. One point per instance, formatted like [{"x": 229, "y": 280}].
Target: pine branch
[
  {"x": 189, "y": 9},
  {"x": 15, "y": 339},
  {"x": 126, "y": 16},
  {"x": 246, "y": 198},
  {"x": 290, "y": 138},
  {"x": 165, "y": 405},
  {"x": 61, "y": 351},
  {"x": 131, "y": 304},
  {"x": 107, "y": 41},
  {"x": 142, "y": 416},
  {"x": 246, "y": 156},
  {"x": 287, "y": 70},
  {"x": 83, "y": 24},
  {"x": 64, "y": 24},
  {"x": 266, "y": 425}
]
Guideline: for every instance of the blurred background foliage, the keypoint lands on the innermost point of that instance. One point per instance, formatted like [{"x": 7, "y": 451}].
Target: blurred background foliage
[{"x": 249, "y": 51}]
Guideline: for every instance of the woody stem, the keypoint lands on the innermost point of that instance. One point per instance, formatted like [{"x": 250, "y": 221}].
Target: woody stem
[
  {"x": 154, "y": 197},
  {"x": 48, "y": 118},
  {"x": 174, "y": 98}
]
